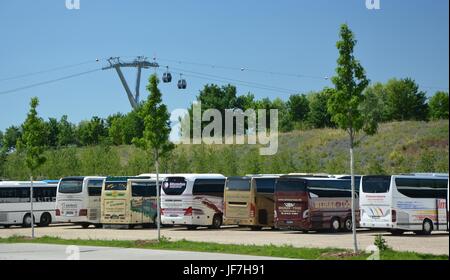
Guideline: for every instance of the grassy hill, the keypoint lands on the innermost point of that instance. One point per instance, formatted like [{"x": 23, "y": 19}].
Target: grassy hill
[{"x": 397, "y": 147}]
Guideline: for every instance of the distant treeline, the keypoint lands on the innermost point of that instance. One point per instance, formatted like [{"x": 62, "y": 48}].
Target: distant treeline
[
  {"x": 397, "y": 100},
  {"x": 399, "y": 147}
]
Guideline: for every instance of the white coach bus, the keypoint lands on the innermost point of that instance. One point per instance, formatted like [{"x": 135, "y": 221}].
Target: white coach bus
[
  {"x": 409, "y": 202},
  {"x": 78, "y": 200},
  {"x": 193, "y": 200},
  {"x": 15, "y": 203}
]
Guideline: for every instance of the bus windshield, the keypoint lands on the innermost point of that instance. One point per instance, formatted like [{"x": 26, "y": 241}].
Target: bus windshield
[
  {"x": 115, "y": 186},
  {"x": 290, "y": 186},
  {"x": 238, "y": 184},
  {"x": 71, "y": 186},
  {"x": 376, "y": 184},
  {"x": 174, "y": 185}
]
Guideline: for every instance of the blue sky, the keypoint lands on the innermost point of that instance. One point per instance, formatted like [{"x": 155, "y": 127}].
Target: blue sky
[{"x": 403, "y": 39}]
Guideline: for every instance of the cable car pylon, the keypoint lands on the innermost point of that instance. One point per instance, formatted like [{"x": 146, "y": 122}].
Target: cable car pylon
[{"x": 140, "y": 63}]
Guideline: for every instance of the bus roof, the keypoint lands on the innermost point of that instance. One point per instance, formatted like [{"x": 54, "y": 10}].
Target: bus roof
[
  {"x": 193, "y": 176},
  {"x": 422, "y": 175},
  {"x": 151, "y": 175},
  {"x": 25, "y": 184},
  {"x": 82, "y": 177},
  {"x": 122, "y": 178},
  {"x": 251, "y": 176},
  {"x": 308, "y": 178}
]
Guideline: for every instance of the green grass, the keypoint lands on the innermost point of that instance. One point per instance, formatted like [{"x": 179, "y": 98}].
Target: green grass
[{"x": 255, "y": 250}]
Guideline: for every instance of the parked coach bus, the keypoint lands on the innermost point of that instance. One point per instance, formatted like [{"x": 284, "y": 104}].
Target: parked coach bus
[
  {"x": 193, "y": 200},
  {"x": 15, "y": 203},
  {"x": 128, "y": 202},
  {"x": 313, "y": 203},
  {"x": 399, "y": 203},
  {"x": 78, "y": 200},
  {"x": 249, "y": 201}
]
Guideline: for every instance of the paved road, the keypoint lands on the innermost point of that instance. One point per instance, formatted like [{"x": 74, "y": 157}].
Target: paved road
[
  {"x": 437, "y": 243},
  {"x": 22, "y": 251}
]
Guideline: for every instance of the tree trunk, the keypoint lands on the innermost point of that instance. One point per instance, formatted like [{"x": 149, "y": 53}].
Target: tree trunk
[
  {"x": 158, "y": 199},
  {"x": 352, "y": 173},
  {"x": 31, "y": 207}
]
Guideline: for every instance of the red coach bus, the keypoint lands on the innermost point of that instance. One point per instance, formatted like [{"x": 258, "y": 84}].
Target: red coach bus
[{"x": 313, "y": 203}]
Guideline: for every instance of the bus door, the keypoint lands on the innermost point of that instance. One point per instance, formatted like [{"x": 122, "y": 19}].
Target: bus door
[
  {"x": 442, "y": 214},
  {"x": 238, "y": 196}
]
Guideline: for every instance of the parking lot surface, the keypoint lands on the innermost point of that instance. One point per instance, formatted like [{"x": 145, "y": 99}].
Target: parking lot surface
[{"x": 437, "y": 243}]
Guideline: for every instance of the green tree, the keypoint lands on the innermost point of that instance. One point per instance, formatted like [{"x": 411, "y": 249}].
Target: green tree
[
  {"x": 32, "y": 143},
  {"x": 155, "y": 139},
  {"x": 344, "y": 104},
  {"x": 439, "y": 106},
  {"x": 66, "y": 132},
  {"x": 10, "y": 137},
  {"x": 375, "y": 102},
  {"x": 318, "y": 116},
  {"x": 405, "y": 101},
  {"x": 52, "y": 129},
  {"x": 298, "y": 106},
  {"x": 92, "y": 132}
]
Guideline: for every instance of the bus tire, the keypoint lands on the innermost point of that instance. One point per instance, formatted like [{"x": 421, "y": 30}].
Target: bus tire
[
  {"x": 192, "y": 227},
  {"x": 26, "y": 222},
  {"x": 335, "y": 225},
  {"x": 85, "y": 225},
  {"x": 6, "y": 226},
  {"x": 46, "y": 219},
  {"x": 216, "y": 221},
  {"x": 305, "y": 231},
  {"x": 147, "y": 225},
  {"x": 348, "y": 224},
  {"x": 427, "y": 227},
  {"x": 98, "y": 226}
]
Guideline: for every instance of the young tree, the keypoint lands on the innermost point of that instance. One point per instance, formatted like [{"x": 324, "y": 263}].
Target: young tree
[
  {"x": 344, "y": 104},
  {"x": 439, "y": 106},
  {"x": 155, "y": 139},
  {"x": 32, "y": 143}
]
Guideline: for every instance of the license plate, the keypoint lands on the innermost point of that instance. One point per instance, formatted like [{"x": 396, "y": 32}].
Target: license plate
[
  {"x": 173, "y": 215},
  {"x": 289, "y": 222}
]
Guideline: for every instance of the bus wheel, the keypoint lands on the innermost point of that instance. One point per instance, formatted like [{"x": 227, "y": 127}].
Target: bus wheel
[
  {"x": 84, "y": 225},
  {"x": 46, "y": 219},
  {"x": 305, "y": 231},
  {"x": 27, "y": 220},
  {"x": 335, "y": 225},
  {"x": 216, "y": 222},
  {"x": 427, "y": 227},
  {"x": 98, "y": 225},
  {"x": 6, "y": 226},
  {"x": 191, "y": 227},
  {"x": 348, "y": 224}
]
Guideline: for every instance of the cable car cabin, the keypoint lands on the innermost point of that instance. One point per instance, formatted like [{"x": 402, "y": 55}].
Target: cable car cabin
[
  {"x": 182, "y": 84},
  {"x": 167, "y": 77}
]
